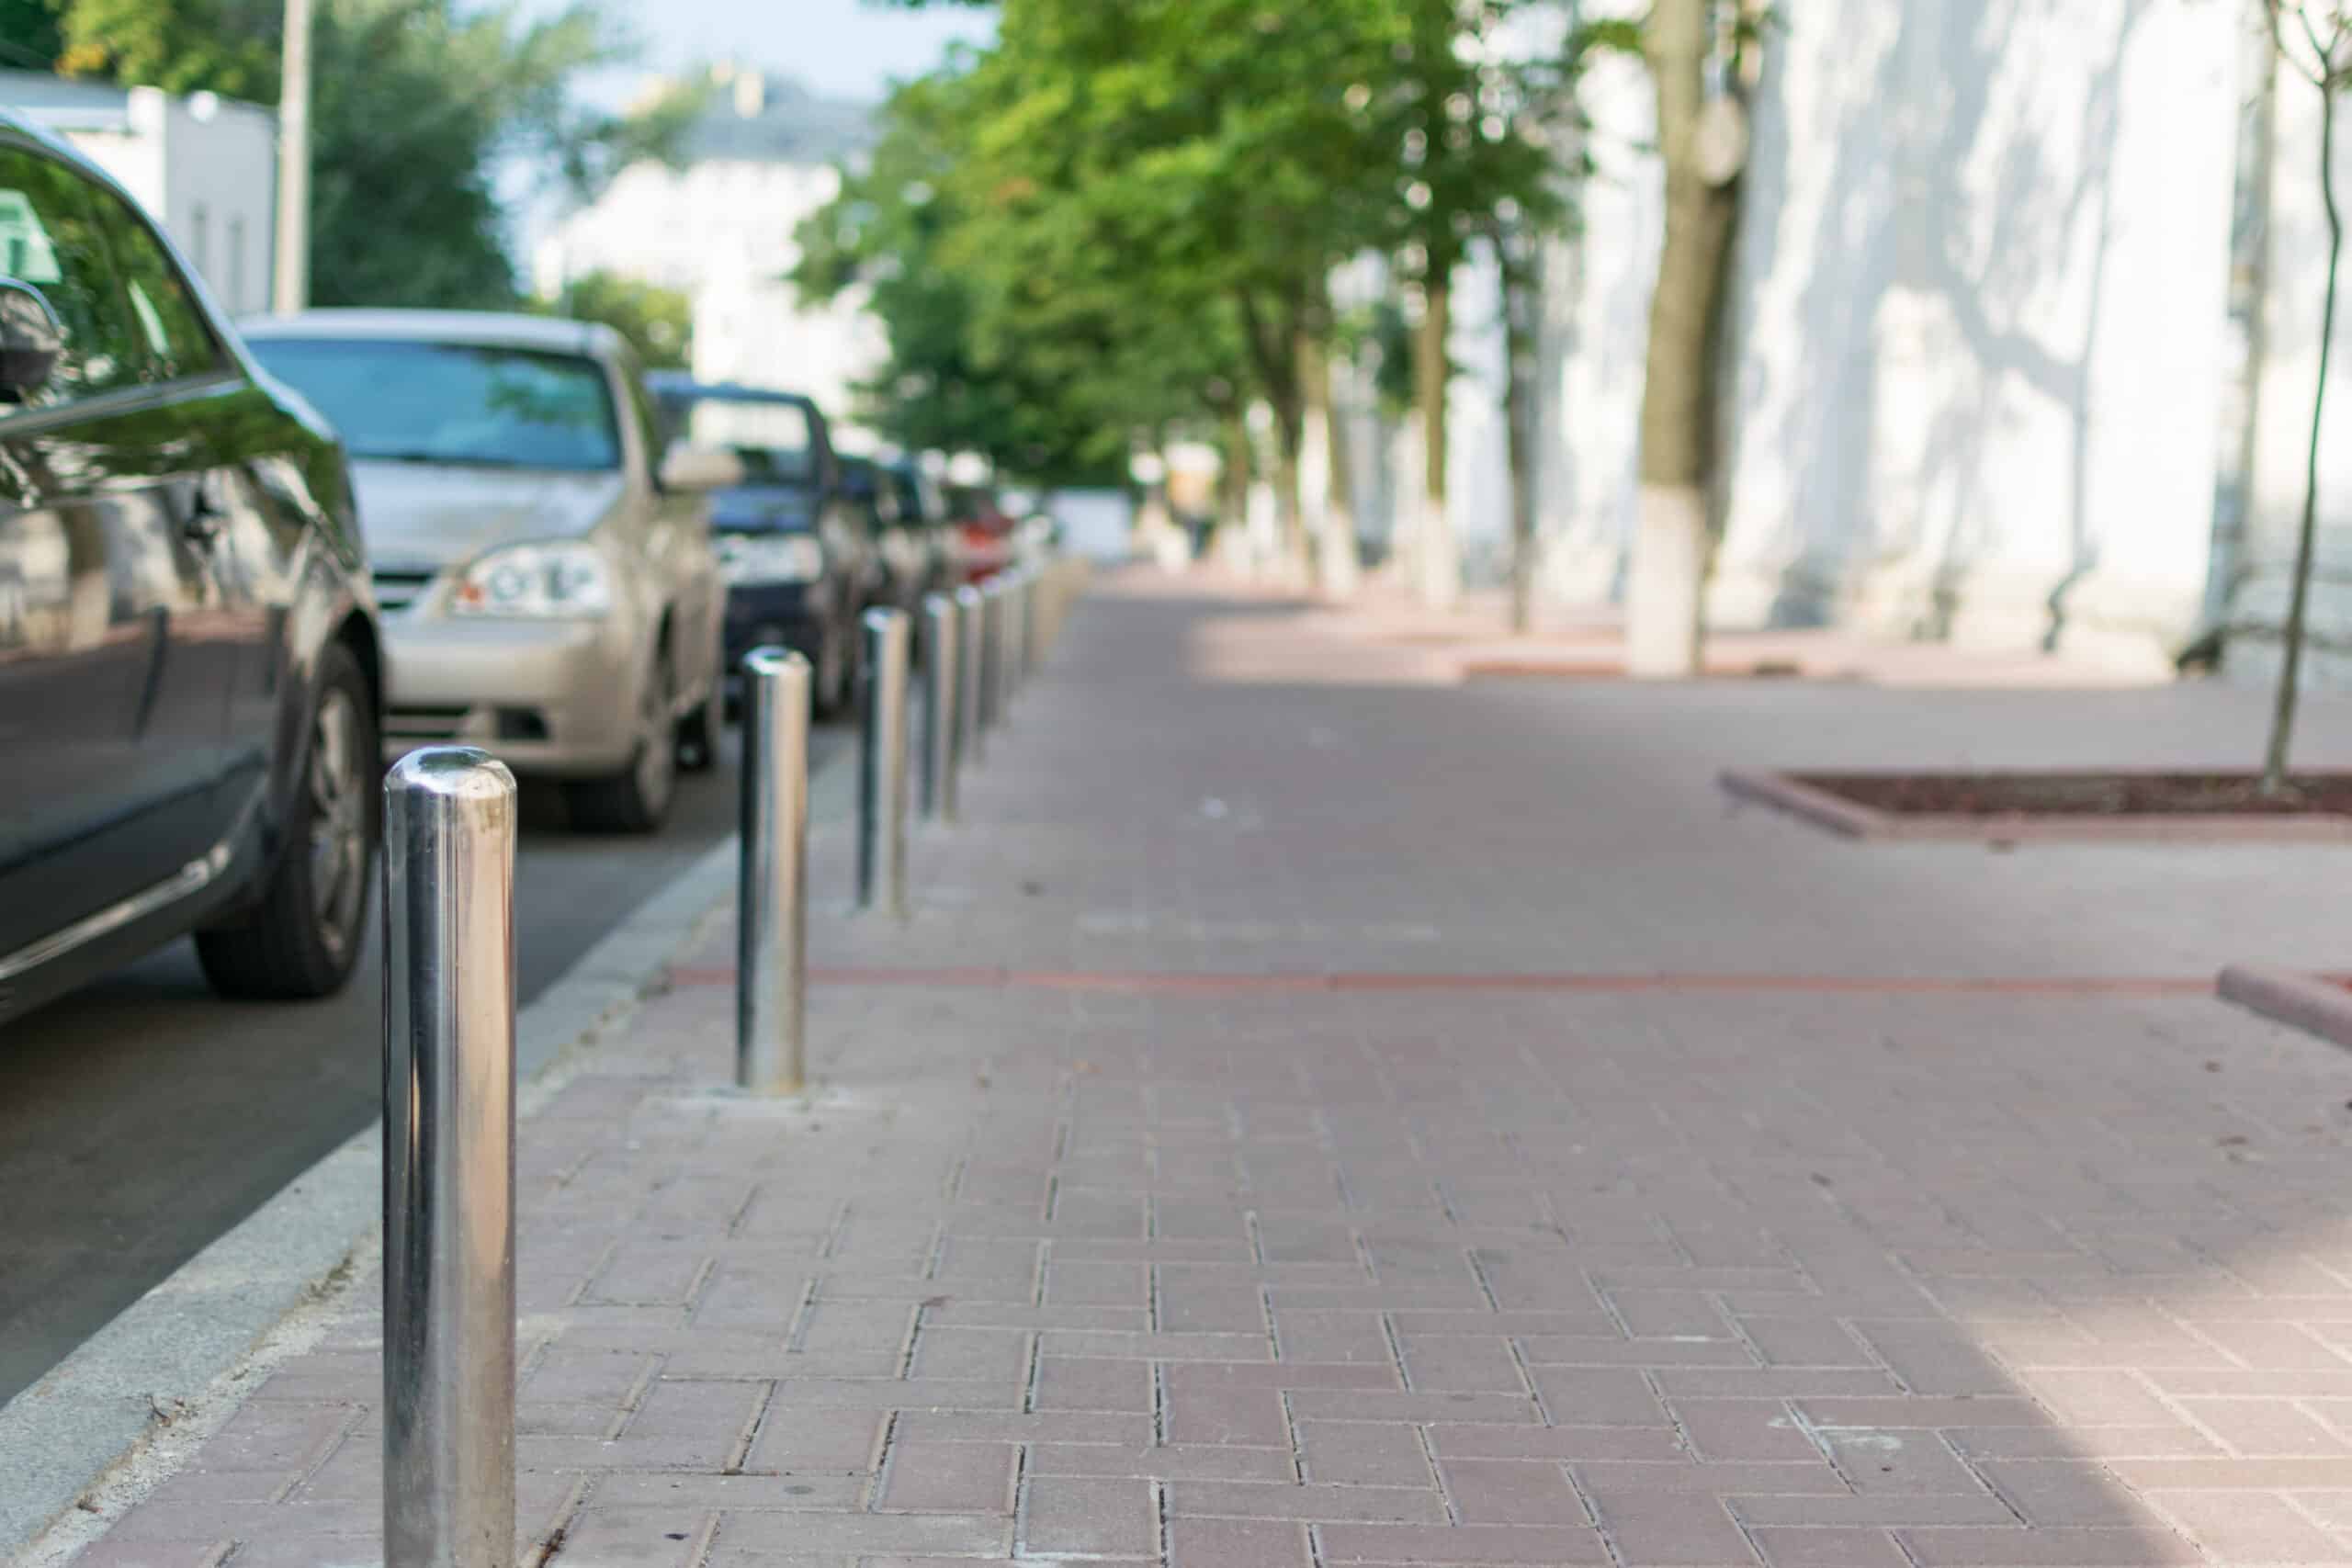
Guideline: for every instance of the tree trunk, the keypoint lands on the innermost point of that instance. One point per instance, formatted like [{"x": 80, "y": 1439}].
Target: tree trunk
[
  {"x": 2291, "y": 663},
  {"x": 1290, "y": 525},
  {"x": 1323, "y": 482},
  {"x": 1437, "y": 567},
  {"x": 1679, "y": 389},
  {"x": 1519, "y": 421},
  {"x": 1233, "y": 489}
]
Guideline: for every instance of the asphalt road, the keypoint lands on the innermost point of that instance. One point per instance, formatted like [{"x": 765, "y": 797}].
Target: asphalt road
[{"x": 141, "y": 1118}]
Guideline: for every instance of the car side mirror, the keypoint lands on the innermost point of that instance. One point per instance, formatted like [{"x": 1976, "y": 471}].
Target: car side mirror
[
  {"x": 693, "y": 469},
  {"x": 32, "y": 340}
]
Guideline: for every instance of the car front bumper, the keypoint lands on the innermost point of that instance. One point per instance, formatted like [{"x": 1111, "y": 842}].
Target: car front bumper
[
  {"x": 558, "y": 698},
  {"x": 798, "y": 615}
]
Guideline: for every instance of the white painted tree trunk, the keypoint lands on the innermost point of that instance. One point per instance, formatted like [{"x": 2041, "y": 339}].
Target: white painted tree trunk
[{"x": 1662, "y": 588}]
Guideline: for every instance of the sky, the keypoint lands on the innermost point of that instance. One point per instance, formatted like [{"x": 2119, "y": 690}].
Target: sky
[{"x": 848, "y": 48}]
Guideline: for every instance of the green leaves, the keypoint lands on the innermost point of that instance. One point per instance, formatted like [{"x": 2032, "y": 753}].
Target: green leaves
[{"x": 412, "y": 104}]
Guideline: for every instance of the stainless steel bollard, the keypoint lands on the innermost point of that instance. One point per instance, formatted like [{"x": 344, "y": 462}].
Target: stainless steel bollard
[
  {"x": 991, "y": 708},
  {"x": 450, "y": 1161},
  {"x": 941, "y": 687},
  {"x": 1033, "y": 620},
  {"x": 882, "y": 765},
  {"x": 1016, "y": 632},
  {"x": 971, "y": 617},
  {"x": 772, "y": 899}
]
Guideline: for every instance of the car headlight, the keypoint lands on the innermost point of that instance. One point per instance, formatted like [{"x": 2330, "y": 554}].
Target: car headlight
[
  {"x": 770, "y": 557},
  {"x": 558, "y": 580}
]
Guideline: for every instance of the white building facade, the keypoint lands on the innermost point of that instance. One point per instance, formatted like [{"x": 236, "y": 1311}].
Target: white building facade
[
  {"x": 719, "y": 229},
  {"x": 204, "y": 166},
  {"x": 2019, "y": 346}
]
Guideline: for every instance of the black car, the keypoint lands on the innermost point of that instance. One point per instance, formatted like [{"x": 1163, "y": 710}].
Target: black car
[
  {"x": 795, "y": 546},
  {"x": 189, "y": 671},
  {"x": 915, "y": 543}
]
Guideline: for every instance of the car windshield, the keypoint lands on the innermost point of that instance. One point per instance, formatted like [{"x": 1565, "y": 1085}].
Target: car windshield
[
  {"x": 772, "y": 439},
  {"x": 454, "y": 402}
]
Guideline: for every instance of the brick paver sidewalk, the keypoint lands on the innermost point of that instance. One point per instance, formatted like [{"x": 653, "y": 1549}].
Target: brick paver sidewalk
[{"x": 1319, "y": 1119}]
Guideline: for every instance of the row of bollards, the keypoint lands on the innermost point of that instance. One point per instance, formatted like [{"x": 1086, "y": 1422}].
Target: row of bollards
[{"x": 449, "y": 826}]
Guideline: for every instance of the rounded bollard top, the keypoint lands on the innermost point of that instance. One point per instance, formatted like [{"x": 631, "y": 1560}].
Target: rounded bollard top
[
  {"x": 937, "y": 604},
  {"x": 882, "y": 618},
  {"x": 451, "y": 773},
  {"x": 966, "y": 595},
  {"x": 770, "y": 661}
]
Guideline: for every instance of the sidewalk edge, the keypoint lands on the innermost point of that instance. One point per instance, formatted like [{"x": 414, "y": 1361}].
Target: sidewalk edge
[
  {"x": 118, "y": 1416},
  {"x": 2308, "y": 1002}
]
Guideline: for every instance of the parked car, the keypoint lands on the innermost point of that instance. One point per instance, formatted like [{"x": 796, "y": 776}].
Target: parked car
[
  {"x": 984, "y": 543},
  {"x": 902, "y": 563},
  {"x": 547, "y": 575},
  {"x": 923, "y": 521},
  {"x": 189, "y": 664},
  {"x": 798, "y": 554}
]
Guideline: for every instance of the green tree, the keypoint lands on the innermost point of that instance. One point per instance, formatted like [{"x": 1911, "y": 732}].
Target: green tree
[
  {"x": 415, "y": 103},
  {"x": 228, "y": 46},
  {"x": 2313, "y": 38},
  {"x": 1468, "y": 122},
  {"x": 658, "y": 322},
  {"x": 32, "y": 34},
  {"x": 1701, "y": 56}
]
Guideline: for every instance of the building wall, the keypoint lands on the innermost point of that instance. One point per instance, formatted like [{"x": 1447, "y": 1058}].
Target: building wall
[
  {"x": 1978, "y": 329},
  {"x": 206, "y": 169},
  {"x": 1981, "y": 301},
  {"x": 721, "y": 231}
]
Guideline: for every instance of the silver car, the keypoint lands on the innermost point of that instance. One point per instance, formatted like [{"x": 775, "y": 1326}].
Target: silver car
[{"x": 546, "y": 572}]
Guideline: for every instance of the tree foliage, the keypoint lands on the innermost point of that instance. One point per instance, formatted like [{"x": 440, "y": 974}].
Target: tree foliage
[
  {"x": 658, "y": 322},
  {"x": 414, "y": 105}
]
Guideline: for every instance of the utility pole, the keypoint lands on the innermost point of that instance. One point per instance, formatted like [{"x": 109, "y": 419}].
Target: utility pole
[{"x": 291, "y": 290}]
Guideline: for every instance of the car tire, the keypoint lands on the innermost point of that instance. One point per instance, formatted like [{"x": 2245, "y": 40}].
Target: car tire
[
  {"x": 302, "y": 939},
  {"x": 835, "y": 679},
  {"x": 636, "y": 799},
  {"x": 698, "y": 740}
]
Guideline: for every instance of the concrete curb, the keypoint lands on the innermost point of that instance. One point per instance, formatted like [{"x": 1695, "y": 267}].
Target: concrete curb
[
  {"x": 2309, "y": 1002},
  {"x": 1813, "y": 804},
  {"x": 114, "y": 1419}
]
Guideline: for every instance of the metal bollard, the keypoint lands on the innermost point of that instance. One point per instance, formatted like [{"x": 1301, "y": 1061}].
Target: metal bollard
[
  {"x": 1033, "y": 620},
  {"x": 882, "y": 765},
  {"x": 1000, "y": 699},
  {"x": 991, "y": 709},
  {"x": 940, "y": 688},
  {"x": 1016, "y": 634},
  {"x": 772, "y": 894},
  {"x": 450, "y": 1161},
  {"x": 971, "y": 616}
]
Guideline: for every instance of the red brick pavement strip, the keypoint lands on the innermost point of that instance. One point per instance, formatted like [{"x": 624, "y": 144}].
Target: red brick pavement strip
[
  {"x": 1182, "y": 983},
  {"x": 1070, "y": 1262}
]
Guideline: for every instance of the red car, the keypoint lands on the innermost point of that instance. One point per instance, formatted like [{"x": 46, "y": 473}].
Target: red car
[{"x": 983, "y": 534}]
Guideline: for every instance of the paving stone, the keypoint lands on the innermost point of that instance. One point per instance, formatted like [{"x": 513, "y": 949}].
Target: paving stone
[{"x": 1296, "y": 1140}]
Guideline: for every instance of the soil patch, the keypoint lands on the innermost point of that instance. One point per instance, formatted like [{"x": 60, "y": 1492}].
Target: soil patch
[
  {"x": 2086, "y": 794},
  {"x": 2082, "y": 805}
]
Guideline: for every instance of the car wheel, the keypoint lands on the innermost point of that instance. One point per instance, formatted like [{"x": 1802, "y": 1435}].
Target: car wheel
[
  {"x": 833, "y": 679},
  {"x": 636, "y": 799},
  {"x": 697, "y": 743},
  {"x": 303, "y": 938}
]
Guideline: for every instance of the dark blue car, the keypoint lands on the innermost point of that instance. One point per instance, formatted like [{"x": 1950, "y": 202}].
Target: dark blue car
[{"x": 800, "y": 562}]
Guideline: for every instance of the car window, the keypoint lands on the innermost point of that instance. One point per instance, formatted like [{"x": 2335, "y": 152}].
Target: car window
[
  {"x": 772, "y": 439},
  {"x": 171, "y": 327},
  {"x": 52, "y": 238},
  {"x": 485, "y": 404}
]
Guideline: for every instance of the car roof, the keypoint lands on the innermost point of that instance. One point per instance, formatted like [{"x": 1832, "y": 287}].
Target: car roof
[
  {"x": 679, "y": 384},
  {"x": 501, "y": 328}
]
